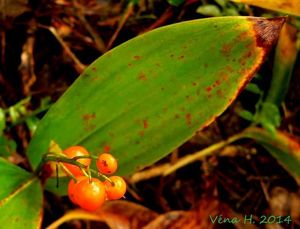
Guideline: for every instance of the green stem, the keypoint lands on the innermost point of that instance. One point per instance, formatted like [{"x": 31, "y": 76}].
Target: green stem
[
  {"x": 80, "y": 157},
  {"x": 96, "y": 173},
  {"x": 67, "y": 171},
  {"x": 57, "y": 158}
]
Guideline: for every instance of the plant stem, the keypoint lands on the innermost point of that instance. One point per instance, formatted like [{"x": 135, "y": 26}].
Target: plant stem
[
  {"x": 96, "y": 173},
  {"x": 50, "y": 157}
]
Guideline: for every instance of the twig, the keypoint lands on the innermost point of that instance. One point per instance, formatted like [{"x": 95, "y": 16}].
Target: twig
[
  {"x": 78, "y": 65},
  {"x": 121, "y": 23},
  {"x": 162, "y": 20},
  {"x": 100, "y": 45},
  {"x": 98, "y": 40},
  {"x": 149, "y": 173}
]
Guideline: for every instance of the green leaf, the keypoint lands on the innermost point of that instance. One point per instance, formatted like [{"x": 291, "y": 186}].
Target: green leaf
[
  {"x": 20, "y": 198},
  {"x": 7, "y": 146},
  {"x": 61, "y": 189},
  {"x": 149, "y": 95},
  {"x": 253, "y": 88},
  {"x": 175, "y": 2},
  {"x": 231, "y": 12},
  {"x": 2, "y": 120},
  {"x": 32, "y": 123},
  {"x": 268, "y": 116},
  {"x": 209, "y": 10},
  {"x": 281, "y": 145},
  {"x": 221, "y": 3},
  {"x": 247, "y": 115}
]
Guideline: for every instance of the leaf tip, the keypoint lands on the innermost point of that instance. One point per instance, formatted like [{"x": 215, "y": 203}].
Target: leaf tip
[{"x": 267, "y": 30}]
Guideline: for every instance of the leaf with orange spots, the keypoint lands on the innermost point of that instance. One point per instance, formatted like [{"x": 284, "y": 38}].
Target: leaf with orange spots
[
  {"x": 285, "y": 6},
  {"x": 20, "y": 198},
  {"x": 148, "y": 96}
]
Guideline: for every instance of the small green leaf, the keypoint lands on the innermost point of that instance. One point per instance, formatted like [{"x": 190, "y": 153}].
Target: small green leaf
[
  {"x": 254, "y": 89},
  {"x": 209, "y": 10},
  {"x": 20, "y": 198},
  {"x": 2, "y": 120},
  {"x": 231, "y": 12},
  {"x": 7, "y": 146},
  {"x": 221, "y": 3},
  {"x": 13, "y": 114},
  {"x": 269, "y": 116},
  {"x": 247, "y": 115},
  {"x": 149, "y": 95},
  {"x": 32, "y": 123},
  {"x": 175, "y": 2}
]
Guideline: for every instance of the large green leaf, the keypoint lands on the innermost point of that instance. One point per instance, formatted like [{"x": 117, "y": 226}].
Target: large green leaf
[
  {"x": 20, "y": 198},
  {"x": 146, "y": 97}
]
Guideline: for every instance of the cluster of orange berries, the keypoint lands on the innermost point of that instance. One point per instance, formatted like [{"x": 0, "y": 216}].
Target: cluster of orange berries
[{"x": 90, "y": 193}]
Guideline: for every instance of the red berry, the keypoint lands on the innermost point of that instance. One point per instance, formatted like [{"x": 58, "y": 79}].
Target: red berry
[
  {"x": 90, "y": 194},
  {"x": 75, "y": 151},
  {"x": 116, "y": 189},
  {"x": 72, "y": 188},
  {"x": 107, "y": 164}
]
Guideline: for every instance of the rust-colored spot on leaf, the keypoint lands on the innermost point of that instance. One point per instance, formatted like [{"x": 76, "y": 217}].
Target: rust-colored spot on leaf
[
  {"x": 142, "y": 76},
  {"x": 188, "y": 119},
  {"x": 89, "y": 127},
  {"x": 220, "y": 93},
  {"x": 94, "y": 69},
  {"x": 182, "y": 109},
  {"x": 87, "y": 121},
  {"x": 129, "y": 64},
  {"x": 224, "y": 75},
  {"x": 181, "y": 57},
  {"x": 267, "y": 30},
  {"x": 176, "y": 116},
  {"x": 137, "y": 57},
  {"x": 141, "y": 133},
  {"x": 88, "y": 117},
  {"x": 226, "y": 49},
  {"x": 145, "y": 123},
  {"x": 217, "y": 83},
  {"x": 242, "y": 36},
  {"x": 208, "y": 89}
]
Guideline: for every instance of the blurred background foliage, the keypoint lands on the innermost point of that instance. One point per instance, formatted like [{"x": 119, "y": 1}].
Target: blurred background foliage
[{"x": 45, "y": 45}]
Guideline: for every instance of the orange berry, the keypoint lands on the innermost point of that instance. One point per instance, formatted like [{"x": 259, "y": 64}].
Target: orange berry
[
  {"x": 116, "y": 190},
  {"x": 75, "y": 151},
  {"x": 72, "y": 188},
  {"x": 107, "y": 164},
  {"x": 90, "y": 194}
]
